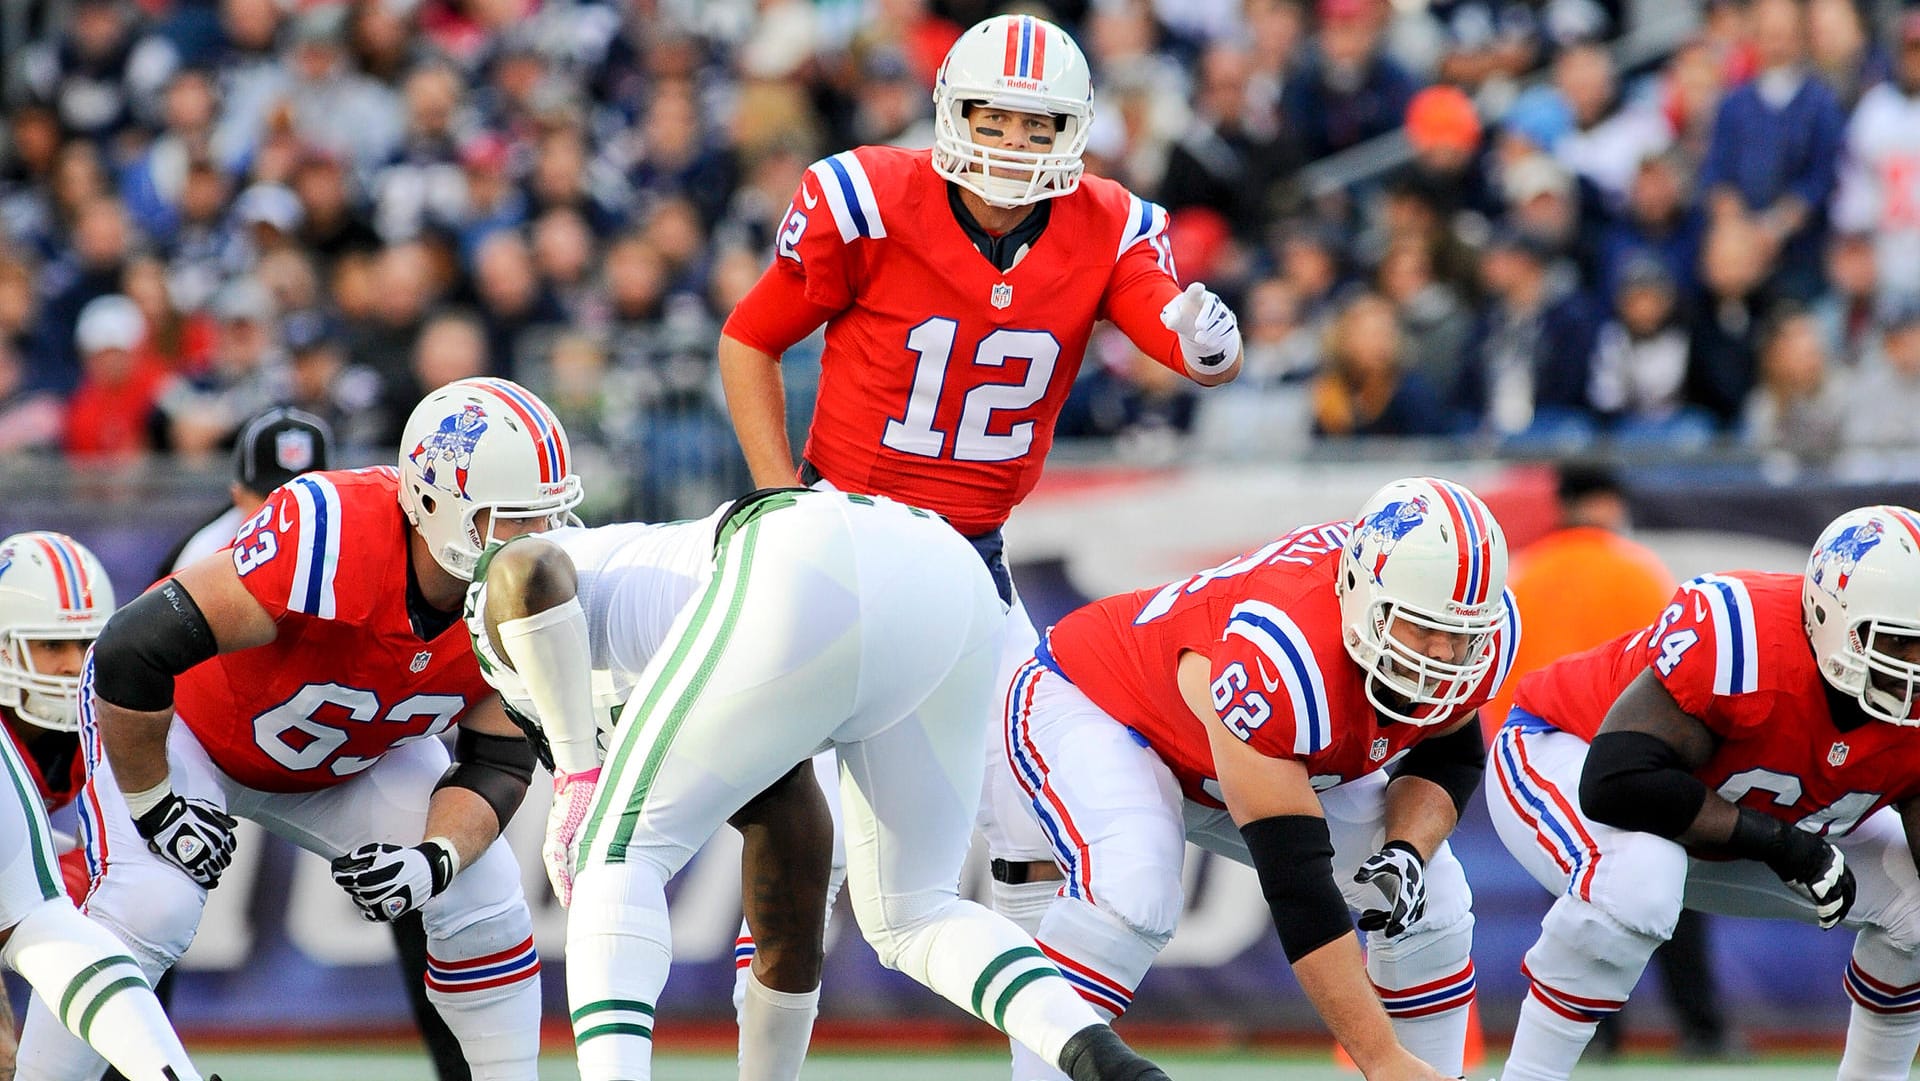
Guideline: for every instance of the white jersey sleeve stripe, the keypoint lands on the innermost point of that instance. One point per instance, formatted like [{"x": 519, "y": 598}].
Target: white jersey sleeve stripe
[
  {"x": 318, "y": 556},
  {"x": 1280, "y": 640},
  {"x": 1736, "y": 654},
  {"x": 856, "y": 213},
  {"x": 1145, "y": 222}
]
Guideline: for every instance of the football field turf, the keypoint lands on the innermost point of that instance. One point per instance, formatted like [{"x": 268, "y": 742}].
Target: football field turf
[{"x": 967, "y": 1066}]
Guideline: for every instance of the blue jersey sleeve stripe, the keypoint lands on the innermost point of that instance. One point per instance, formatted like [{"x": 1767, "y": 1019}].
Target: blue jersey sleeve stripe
[{"x": 1300, "y": 673}]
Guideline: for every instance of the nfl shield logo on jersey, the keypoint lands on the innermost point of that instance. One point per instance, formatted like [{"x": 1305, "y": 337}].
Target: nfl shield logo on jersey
[
  {"x": 1837, "y": 754},
  {"x": 421, "y": 660},
  {"x": 1002, "y": 295},
  {"x": 1378, "y": 750}
]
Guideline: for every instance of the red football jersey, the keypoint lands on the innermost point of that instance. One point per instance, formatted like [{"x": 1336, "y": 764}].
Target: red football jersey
[
  {"x": 1269, "y": 622},
  {"x": 347, "y": 679},
  {"x": 943, "y": 377},
  {"x": 1732, "y": 650}
]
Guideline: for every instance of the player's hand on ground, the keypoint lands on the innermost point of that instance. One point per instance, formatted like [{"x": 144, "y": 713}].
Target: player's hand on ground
[
  {"x": 1209, "y": 331},
  {"x": 1399, "y": 873},
  {"x": 1406, "y": 1067},
  {"x": 388, "y": 881},
  {"x": 572, "y": 796},
  {"x": 191, "y": 834}
]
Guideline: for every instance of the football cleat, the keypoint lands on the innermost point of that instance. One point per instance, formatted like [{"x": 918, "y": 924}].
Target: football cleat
[{"x": 1096, "y": 1053}]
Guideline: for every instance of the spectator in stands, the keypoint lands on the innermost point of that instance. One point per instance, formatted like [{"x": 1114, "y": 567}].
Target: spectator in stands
[
  {"x": 1434, "y": 317},
  {"x": 321, "y": 382},
  {"x": 563, "y": 251},
  {"x": 1841, "y": 53},
  {"x": 181, "y": 341},
  {"x": 26, "y": 203},
  {"x": 562, "y": 178},
  {"x": 101, "y": 74},
  {"x": 1775, "y": 153},
  {"x": 514, "y": 303},
  {"x": 1546, "y": 202},
  {"x": 22, "y": 329},
  {"x": 203, "y": 247},
  {"x": 1222, "y": 160},
  {"x": 1801, "y": 403},
  {"x": 1365, "y": 388},
  {"x": 91, "y": 268},
  {"x": 1444, "y": 130},
  {"x": 269, "y": 218},
  {"x": 421, "y": 183},
  {"x": 1658, "y": 219},
  {"x": 452, "y": 346},
  {"x": 315, "y": 93},
  {"x": 1884, "y": 400},
  {"x": 112, "y": 412},
  {"x": 31, "y": 418},
  {"x": 153, "y": 183},
  {"x": 1610, "y": 136},
  {"x": 1311, "y": 258},
  {"x": 678, "y": 159},
  {"x": 890, "y": 106},
  {"x": 1529, "y": 364},
  {"x": 1641, "y": 361},
  {"x": 1850, "y": 298},
  {"x": 1879, "y": 190},
  {"x": 1726, "y": 320},
  {"x": 248, "y": 374},
  {"x": 1346, "y": 90},
  {"x": 401, "y": 289},
  {"x": 331, "y": 223},
  {"x": 494, "y": 202}
]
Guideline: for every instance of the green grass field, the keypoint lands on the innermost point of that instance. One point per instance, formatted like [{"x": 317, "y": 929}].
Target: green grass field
[{"x": 969, "y": 1066}]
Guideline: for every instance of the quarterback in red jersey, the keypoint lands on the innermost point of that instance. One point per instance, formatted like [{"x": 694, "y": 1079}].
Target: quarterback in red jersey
[
  {"x": 1286, "y": 709},
  {"x": 310, "y": 666},
  {"x": 959, "y": 287},
  {"x": 1750, "y": 753}
]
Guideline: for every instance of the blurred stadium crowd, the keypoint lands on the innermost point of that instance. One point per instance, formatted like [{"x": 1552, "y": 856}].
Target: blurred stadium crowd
[{"x": 211, "y": 206}]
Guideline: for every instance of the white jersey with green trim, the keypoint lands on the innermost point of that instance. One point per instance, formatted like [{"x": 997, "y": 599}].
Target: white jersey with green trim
[{"x": 634, "y": 578}]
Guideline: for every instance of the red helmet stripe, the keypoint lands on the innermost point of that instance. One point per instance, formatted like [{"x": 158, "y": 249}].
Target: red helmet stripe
[
  {"x": 1905, "y": 518},
  {"x": 82, "y": 579},
  {"x": 540, "y": 423},
  {"x": 1012, "y": 66},
  {"x": 1460, "y": 575},
  {"x": 63, "y": 578},
  {"x": 1038, "y": 68}
]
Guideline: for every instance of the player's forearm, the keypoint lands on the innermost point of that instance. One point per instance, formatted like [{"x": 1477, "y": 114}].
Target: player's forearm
[
  {"x": 1335, "y": 980},
  {"x": 756, "y": 400},
  {"x": 462, "y": 816},
  {"x": 1420, "y": 813},
  {"x": 136, "y": 744}
]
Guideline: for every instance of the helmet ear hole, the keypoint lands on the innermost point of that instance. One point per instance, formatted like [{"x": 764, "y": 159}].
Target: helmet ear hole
[{"x": 427, "y": 503}]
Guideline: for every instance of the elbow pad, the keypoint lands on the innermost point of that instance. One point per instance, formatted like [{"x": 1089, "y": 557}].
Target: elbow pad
[
  {"x": 495, "y": 768},
  {"x": 1634, "y": 781},
  {"x": 1293, "y": 855},
  {"x": 1454, "y": 761},
  {"x": 157, "y": 636}
]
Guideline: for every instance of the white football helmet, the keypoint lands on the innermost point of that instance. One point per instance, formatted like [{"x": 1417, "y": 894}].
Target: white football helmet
[
  {"x": 1861, "y": 589},
  {"x": 482, "y": 444},
  {"x": 1027, "y": 65},
  {"x": 51, "y": 589},
  {"x": 1426, "y": 553}
]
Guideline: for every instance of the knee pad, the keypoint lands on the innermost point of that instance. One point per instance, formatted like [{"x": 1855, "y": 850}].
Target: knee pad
[
  {"x": 1584, "y": 950},
  {"x": 1147, "y": 903},
  {"x": 891, "y": 923},
  {"x": 159, "y": 925}
]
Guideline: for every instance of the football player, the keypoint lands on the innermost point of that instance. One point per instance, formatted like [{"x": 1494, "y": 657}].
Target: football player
[
  {"x": 54, "y": 599},
  {"x": 1306, "y": 709},
  {"x": 1750, "y": 753},
  {"x": 311, "y": 667},
  {"x": 741, "y": 644},
  {"x": 959, "y": 287}
]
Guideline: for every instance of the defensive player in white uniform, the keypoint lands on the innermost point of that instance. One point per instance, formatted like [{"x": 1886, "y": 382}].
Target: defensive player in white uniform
[
  {"x": 747, "y": 641},
  {"x": 54, "y": 599}
]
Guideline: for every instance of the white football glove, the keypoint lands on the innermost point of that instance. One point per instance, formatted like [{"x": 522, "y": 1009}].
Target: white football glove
[
  {"x": 1209, "y": 332},
  {"x": 572, "y": 797},
  {"x": 191, "y": 834},
  {"x": 1399, "y": 873},
  {"x": 388, "y": 881}
]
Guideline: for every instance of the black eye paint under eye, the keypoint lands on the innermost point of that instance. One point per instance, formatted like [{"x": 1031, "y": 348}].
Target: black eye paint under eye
[{"x": 991, "y": 133}]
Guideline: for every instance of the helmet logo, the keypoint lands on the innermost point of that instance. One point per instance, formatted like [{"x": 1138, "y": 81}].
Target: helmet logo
[
  {"x": 451, "y": 445},
  {"x": 1386, "y": 527},
  {"x": 1833, "y": 564}
]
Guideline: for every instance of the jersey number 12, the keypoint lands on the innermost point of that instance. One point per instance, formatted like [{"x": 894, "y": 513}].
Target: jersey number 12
[{"x": 932, "y": 342}]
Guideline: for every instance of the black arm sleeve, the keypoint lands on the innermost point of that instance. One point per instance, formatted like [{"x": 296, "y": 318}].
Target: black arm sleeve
[
  {"x": 1635, "y": 781},
  {"x": 1293, "y": 855},
  {"x": 1454, "y": 761},
  {"x": 496, "y": 768},
  {"x": 158, "y": 635}
]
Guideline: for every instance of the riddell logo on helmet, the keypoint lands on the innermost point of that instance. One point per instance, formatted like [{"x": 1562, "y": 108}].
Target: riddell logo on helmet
[{"x": 1022, "y": 84}]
